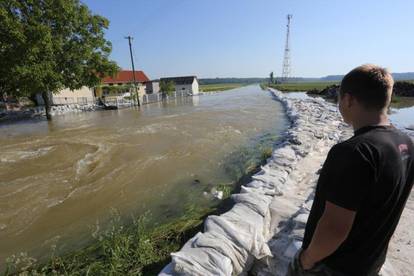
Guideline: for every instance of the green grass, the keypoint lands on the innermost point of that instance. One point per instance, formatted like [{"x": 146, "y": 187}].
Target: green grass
[
  {"x": 301, "y": 86},
  {"x": 135, "y": 249},
  {"x": 220, "y": 87},
  {"x": 402, "y": 102}
]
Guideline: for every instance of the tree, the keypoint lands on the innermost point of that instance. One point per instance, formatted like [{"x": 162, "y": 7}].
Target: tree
[
  {"x": 47, "y": 45},
  {"x": 167, "y": 87},
  {"x": 271, "y": 78}
]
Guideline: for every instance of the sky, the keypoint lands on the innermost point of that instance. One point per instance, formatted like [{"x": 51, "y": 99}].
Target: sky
[{"x": 246, "y": 38}]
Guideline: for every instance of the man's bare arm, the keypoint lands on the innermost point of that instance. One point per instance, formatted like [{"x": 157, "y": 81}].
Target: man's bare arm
[{"x": 332, "y": 229}]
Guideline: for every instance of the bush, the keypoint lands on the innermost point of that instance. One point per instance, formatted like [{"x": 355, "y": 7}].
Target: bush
[{"x": 404, "y": 89}]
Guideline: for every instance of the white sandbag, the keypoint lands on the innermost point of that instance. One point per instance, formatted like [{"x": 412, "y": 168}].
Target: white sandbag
[
  {"x": 244, "y": 227},
  {"x": 300, "y": 220},
  {"x": 285, "y": 153},
  {"x": 255, "y": 201},
  {"x": 259, "y": 190},
  {"x": 200, "y": 262},
  {"x": 275, "y": 171},
  {"x": 239, "y": 256},
  {"x": 292, "y": 249}
]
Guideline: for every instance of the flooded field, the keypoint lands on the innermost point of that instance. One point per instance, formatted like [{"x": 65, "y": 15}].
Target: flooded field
[{"x": 59, "y": 181}]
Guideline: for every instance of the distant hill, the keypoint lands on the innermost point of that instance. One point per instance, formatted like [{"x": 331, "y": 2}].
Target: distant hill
[
  {"x": 329, "y": 78},
  {"x": 231, "y": 80},
  {"x": 404, "y": 76},
  {"x": 396, "y": 76}
]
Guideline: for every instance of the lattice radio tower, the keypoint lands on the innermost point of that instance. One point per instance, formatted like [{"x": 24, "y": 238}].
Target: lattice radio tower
[{"x": 286, "y": 60}]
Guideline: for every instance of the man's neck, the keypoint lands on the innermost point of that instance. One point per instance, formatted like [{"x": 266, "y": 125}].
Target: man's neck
[{"x": 371, "y": 119}]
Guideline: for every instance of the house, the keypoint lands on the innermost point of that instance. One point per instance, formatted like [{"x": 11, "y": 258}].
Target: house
[
  {"x": 84, "y": 95},
  {"x": 152, "y": 87},
  {"x": 184, "y": 85},
  {"x": 121, "y": 84}
]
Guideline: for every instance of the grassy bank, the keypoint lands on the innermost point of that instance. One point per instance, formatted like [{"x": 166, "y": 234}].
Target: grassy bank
[
  {"x": 301, "y": 86},
  {"x": 135, "y": 249},
  {"x": 140, "y": 246},
  {"x": 402, "y": 102},
  {"x": 220, "y": 87}
]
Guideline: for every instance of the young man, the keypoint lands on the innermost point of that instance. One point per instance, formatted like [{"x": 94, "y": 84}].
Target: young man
[{"x": 363, "y": 185}]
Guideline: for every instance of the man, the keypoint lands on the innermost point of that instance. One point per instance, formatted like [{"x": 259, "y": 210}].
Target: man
[{"x": 363, "y": 185}]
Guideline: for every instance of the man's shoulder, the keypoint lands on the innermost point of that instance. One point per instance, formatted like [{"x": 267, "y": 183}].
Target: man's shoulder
[
  {"x": 348, "y": 146},
  {"x": 372, "y": 143},
  {"x": 387, "y": 132},
  {"x": 353, "y": 149}
]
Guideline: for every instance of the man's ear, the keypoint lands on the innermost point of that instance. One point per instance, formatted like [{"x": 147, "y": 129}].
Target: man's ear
[{"x": 349, "y": 100}]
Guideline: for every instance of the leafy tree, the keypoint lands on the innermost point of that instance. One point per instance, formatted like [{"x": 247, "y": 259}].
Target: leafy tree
[
  {"x": 167, "y": 87},
  {"x": 272, "y": 80},
  {"x": 47, "y": 45}
]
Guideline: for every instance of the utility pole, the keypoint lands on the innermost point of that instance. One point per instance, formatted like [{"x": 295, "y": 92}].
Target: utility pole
[
  {"x": 130, "y": 38},
  {"x": 286, "y": 60}
]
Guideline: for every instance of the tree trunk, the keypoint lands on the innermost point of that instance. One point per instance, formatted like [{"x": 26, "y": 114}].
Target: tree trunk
[{"x": 46, "y": 100}]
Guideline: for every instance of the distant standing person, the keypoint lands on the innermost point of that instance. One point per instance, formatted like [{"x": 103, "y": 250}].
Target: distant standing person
[{"x": 363, "y": 185}]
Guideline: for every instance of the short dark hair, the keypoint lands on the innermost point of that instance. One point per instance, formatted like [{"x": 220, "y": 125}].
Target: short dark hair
[{"x": 370, "y": 84}]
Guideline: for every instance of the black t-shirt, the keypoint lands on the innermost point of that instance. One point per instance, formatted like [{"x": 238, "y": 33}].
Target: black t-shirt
[{"x": 372, "y": 173}]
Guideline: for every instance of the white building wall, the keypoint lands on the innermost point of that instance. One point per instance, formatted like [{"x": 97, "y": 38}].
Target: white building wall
[
  {"x": 194, "y": 87},
  {"x": 67, "y": 96},
  {"x": 186, "y": 88},
  {"x": 141, "y": 89},
  {"x": 79, "y": 96},
  {"x": 152, "y": 87}
]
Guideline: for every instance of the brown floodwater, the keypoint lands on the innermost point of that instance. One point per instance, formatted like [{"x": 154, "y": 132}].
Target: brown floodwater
[{"x": 59, "y": 181}]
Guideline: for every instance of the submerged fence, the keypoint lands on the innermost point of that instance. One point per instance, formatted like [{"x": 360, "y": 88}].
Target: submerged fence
[
  {"x": 72, "y": 100},
  {"x": 157, "y": 97},
  {"x": 119, "y": 101}
]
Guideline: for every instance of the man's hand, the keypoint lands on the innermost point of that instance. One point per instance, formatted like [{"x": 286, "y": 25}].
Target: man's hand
[{"x": 305, "y": 261}]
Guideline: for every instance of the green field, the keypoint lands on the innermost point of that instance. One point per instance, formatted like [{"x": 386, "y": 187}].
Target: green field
[
  {"x": 402, "y": 102},
  {"x": 220, "y": 87},
  {"x": 301, "y": 86}
]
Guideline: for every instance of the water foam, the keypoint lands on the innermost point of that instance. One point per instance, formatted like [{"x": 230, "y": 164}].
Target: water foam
[
  {"x": 83, "y": 165},
  {"x": 20, "y": 155}
]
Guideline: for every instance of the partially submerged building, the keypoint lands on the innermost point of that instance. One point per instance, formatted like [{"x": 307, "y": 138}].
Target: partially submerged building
[
  {"x": 120, "y": 89},
  {"x": 152, "y": 87},
  {"x": 184, "y": 85},
  {"x": 84, "y": 95},
  {"x": 122, "y": 84}
]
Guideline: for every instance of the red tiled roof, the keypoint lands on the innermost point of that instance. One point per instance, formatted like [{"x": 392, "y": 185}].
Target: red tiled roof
[{"x": 126, "y": 76}]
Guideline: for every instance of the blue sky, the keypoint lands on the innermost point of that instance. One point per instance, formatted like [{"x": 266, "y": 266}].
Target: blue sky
[{"x": 245, "y": 38}]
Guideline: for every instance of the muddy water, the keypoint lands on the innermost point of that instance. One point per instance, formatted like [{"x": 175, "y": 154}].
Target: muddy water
[{"x": 60, "y": 180}]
